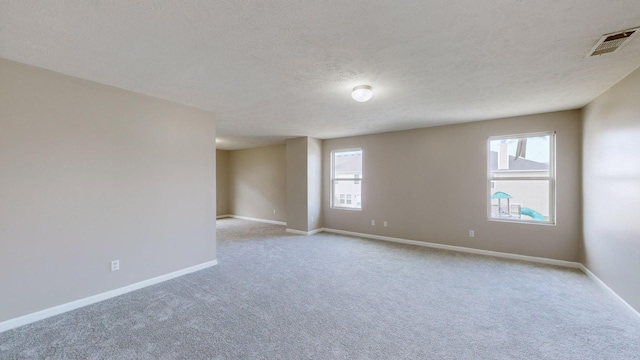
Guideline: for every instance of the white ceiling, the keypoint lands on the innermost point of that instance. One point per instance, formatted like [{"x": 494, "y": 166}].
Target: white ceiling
[{"x": 272, "y": 70}]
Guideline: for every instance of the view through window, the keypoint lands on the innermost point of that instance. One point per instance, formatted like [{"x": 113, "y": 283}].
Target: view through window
[
  {"x": 521, "y": 178},
  {"x": 346, "y": 177}
]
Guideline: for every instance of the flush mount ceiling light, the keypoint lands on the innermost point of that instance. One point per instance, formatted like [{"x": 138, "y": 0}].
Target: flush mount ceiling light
[{"x": 362, "y": 93}]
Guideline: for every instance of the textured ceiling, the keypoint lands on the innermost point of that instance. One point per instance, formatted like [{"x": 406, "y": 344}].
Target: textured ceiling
[{"x": 272, "y": 70}]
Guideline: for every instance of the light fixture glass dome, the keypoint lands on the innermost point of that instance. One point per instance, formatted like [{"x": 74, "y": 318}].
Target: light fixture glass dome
[{"x": 362, "y": 93}]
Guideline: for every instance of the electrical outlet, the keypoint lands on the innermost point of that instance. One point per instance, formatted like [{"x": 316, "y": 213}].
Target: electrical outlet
[
  {"x": 384, "y": 224},
  {"x": 115, "y": 265},
  {"x": 274, "y": 211},
  {"x": 312, "y": 219},
  {"x": 472, "y": 233},
  {"x": 373, "y": 222}
]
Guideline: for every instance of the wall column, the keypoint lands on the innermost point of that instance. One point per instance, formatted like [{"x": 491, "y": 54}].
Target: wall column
[{"x": 304, "y": 184}]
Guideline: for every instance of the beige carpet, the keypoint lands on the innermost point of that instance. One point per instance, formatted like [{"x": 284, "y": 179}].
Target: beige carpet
[{"x": 280, "y": 296}]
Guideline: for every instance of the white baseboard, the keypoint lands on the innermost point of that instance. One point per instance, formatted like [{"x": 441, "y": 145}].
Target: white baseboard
[
  {"x": 259, "y": 220},
  {"x": 461, "y": 249},
  {"x": 56, "y": 310},
  {"x": 609, "y": 290},
  {"x": 300, "y": 232},
  {"x": 223, "y": 216}
]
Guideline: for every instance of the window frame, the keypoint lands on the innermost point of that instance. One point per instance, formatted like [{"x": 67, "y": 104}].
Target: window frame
[
  {"x": 551, "y": 178},
  {"x": 333, "y": 179}
]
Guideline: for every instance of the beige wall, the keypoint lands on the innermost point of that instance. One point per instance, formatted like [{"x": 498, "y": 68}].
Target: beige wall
[
  {"x": 304, "y": 184},
  {"x": 611, "y": 178},
  {"x": 257, "y": 182},
  {"x": 297, "y": 192},
  {"x": 430, "y": 185},
  {"x": 89, "y": 174},
  {"x": 222, "y": 182},
  {"x": 314, "y": 183}
]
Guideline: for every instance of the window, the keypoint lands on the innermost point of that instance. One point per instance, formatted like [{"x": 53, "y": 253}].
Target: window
[
  {"x": 346, "y": 179},
  {"x": 522, "y": 178}
]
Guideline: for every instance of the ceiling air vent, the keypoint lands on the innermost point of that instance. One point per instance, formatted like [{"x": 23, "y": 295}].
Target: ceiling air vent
[{"x": 609, "y": 43}]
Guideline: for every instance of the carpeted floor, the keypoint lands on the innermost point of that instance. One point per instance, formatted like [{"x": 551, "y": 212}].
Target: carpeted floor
[{"x": 280, "y": 296}]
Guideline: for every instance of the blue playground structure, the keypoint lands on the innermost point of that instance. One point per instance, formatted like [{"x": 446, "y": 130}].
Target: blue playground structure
[
  {"x": 500, "y": 195},
  {"x": 532, "y": 213}
]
